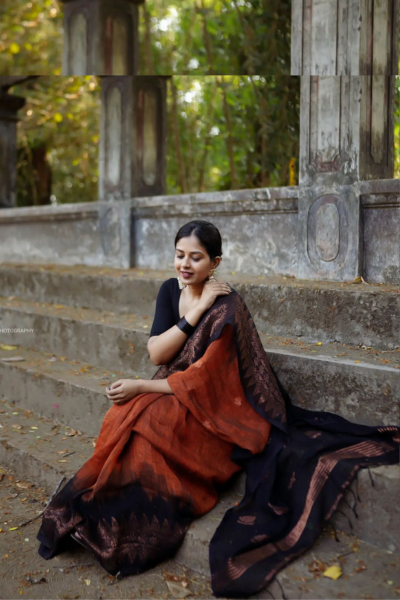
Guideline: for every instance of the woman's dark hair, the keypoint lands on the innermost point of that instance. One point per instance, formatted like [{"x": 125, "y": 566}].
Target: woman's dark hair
[{"x": 207, "y": 234}]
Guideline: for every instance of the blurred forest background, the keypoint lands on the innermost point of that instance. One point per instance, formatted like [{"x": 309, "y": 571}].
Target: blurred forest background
[
  {"x": 224, "y": 131},
  {"x": 234, "y": 131}
]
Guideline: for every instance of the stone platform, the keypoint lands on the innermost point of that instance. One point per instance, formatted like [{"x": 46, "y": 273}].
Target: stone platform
[{"x": 90, "y": 326}]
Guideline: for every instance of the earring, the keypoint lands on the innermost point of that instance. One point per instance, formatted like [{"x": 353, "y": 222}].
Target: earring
[
  {"x": 212, "y": 276},
  {"x": 181, "y": 285}
]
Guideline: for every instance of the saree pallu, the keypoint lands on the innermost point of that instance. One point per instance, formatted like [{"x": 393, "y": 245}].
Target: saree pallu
[{"x": 159, "y": 457}]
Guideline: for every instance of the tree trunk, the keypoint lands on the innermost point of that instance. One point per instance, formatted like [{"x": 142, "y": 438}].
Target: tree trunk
[
  {"x": 229, "y": 138},
  {"x": 207, "y": 40},
  {"x": 178, "y": 146},
  {"x": 42, "y": 172},
  {"x": 147, "y": 41},
  {"x": 207, "y": 140}
]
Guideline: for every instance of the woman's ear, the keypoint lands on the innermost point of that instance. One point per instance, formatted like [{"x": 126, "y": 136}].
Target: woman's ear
[{"x": 217, "y": 260}]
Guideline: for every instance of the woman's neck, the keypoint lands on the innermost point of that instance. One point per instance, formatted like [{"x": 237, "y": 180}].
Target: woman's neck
[{"x": 194, "y": 291}]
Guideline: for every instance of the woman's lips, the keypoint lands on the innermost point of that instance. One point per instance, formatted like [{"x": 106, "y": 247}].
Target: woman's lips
[{"x": 186, "y": 275}]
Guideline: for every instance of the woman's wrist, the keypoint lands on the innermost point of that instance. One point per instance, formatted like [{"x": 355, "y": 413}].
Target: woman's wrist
[
  {"x": 194, "y": 315},
  {"x": 154, "y": 385}
]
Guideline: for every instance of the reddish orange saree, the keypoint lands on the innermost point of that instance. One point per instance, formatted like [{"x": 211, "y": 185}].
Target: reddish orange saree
[{"x": 159, "y": 456}]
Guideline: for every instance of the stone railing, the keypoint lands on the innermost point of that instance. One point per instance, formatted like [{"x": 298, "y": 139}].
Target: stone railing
[{"x": 259, "y": 228}]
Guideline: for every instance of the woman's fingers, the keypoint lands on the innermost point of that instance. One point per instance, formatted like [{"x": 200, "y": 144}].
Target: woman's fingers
[{"x": 114, "y": 390}]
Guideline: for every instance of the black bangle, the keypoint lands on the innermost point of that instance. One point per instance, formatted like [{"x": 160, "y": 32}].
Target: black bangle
[{"x": 184, "y": 326}]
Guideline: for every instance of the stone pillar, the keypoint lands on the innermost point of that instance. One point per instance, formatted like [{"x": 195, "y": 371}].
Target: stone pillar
[
  {"x": 345, "y": 37},
  {"x": 346, "y": 125},
  {"x": 100, "y": 37},
  {"x": 132, "y": 137},
  {"x": 9, "y": 106}
]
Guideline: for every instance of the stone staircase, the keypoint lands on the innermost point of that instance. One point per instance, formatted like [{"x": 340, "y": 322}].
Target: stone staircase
[{"x": 333, "y": 346}]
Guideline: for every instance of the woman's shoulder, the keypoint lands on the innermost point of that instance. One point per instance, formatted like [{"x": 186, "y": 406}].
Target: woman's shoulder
[
  {"x": 169, "y": 283},
  {"x": 168, "y": 288}
]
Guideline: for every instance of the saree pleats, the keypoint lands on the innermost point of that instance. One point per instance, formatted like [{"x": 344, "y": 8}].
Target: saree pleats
[
  {"x": 159, "y": 458},
  {"x": 154, "y": 467}
]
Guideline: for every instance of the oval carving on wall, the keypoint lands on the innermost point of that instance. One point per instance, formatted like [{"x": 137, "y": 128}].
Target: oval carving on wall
[{"x": 327, "y": 232}]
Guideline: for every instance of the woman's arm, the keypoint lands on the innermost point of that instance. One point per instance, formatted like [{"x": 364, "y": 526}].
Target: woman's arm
[
  {"x": 163, "y": 348},
  {"x": 154, "y": 385},
  {"x": 123, "y": 390}
]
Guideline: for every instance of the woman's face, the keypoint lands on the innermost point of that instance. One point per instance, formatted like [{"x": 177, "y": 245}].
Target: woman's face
[{"x": 193, "y": 258}]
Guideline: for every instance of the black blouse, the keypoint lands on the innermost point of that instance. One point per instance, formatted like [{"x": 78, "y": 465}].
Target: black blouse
[{"x": 167, "y": 307}]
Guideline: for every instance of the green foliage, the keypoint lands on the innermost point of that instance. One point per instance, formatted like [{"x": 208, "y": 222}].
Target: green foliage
[
  {"x": 62, "y": 114},
  {"x": 31, "y": 37},
  {"x": 205, "y": 37},
  {"x": 397, "y": 130},
  {"x": 257, "y": 106},
  {"x": 228, "y": 132},
  {"x": 196, "y": 37}
]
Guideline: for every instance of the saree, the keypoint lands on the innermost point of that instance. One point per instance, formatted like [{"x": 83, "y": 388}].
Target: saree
[{"x": 159, "y": 459}]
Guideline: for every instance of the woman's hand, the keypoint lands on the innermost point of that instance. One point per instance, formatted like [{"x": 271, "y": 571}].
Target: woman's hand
[
  {"x": 211, "y": 290},
  {"x": 123, "y": 390}
]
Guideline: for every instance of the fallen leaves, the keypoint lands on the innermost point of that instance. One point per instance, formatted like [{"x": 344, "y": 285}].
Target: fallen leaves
[
  {"x": 32, "y": 581},
  {"x": 317, "y": 567},
  {"x": 24, "y": 485},
  {"x": 73, "y": 432},
  {"x": 177, "y": 590},
  {"x": 357, "y": 280},
  {"x": 361, "y": 566},
  {"x": 333, "y": 572}
]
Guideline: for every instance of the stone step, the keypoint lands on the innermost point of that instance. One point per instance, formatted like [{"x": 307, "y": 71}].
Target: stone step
[
  {"x": 71, "y": 352},
  {"x": 98, "y": 337},
  {"x": 353, "y": 313},
  {"x": 368, "y": 571},
  {"x": 40, "y": 460},
  {"x": 34, "y": 447}
]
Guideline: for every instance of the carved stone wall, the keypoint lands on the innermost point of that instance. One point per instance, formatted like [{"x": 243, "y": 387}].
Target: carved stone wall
[
  {"x": 345, "y": 37},
  {"x": 133, "y": 137},
  {"x": 100, "y": 37},
  {"x": 346, "y": 52}
]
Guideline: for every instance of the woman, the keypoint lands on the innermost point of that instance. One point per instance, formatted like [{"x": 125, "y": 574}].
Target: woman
[{"x": 213, "y": 407}]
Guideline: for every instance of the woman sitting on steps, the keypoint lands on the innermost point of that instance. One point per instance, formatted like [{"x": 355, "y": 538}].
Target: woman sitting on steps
[{"x": 213, "y": 407}]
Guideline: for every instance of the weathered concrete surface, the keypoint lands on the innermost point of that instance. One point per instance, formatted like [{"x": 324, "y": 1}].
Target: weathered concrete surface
[
  {"x": 381, "y": 215},
  {"x": 259, "y": 229},
  {"x": 367, "y": 571},
  {"x": 252, "y": 223},
  {"x": 86, "y": 26},
  {"x": 74, "y": 573},
  {"x": 138, "y": 231},
  {"x": 355, "y": 39},
  {"x": 378, "y": 520},
  {"x": 41, "y": 461},
  {"x": 353, "y": 313},
  {"x": 355, "y": 389},
  {"x": 133, "y": 134},
  {"x": 353, "y": 382},
  {"x": 362, "y": 382},
  {"x": 346, "y": 128}
]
